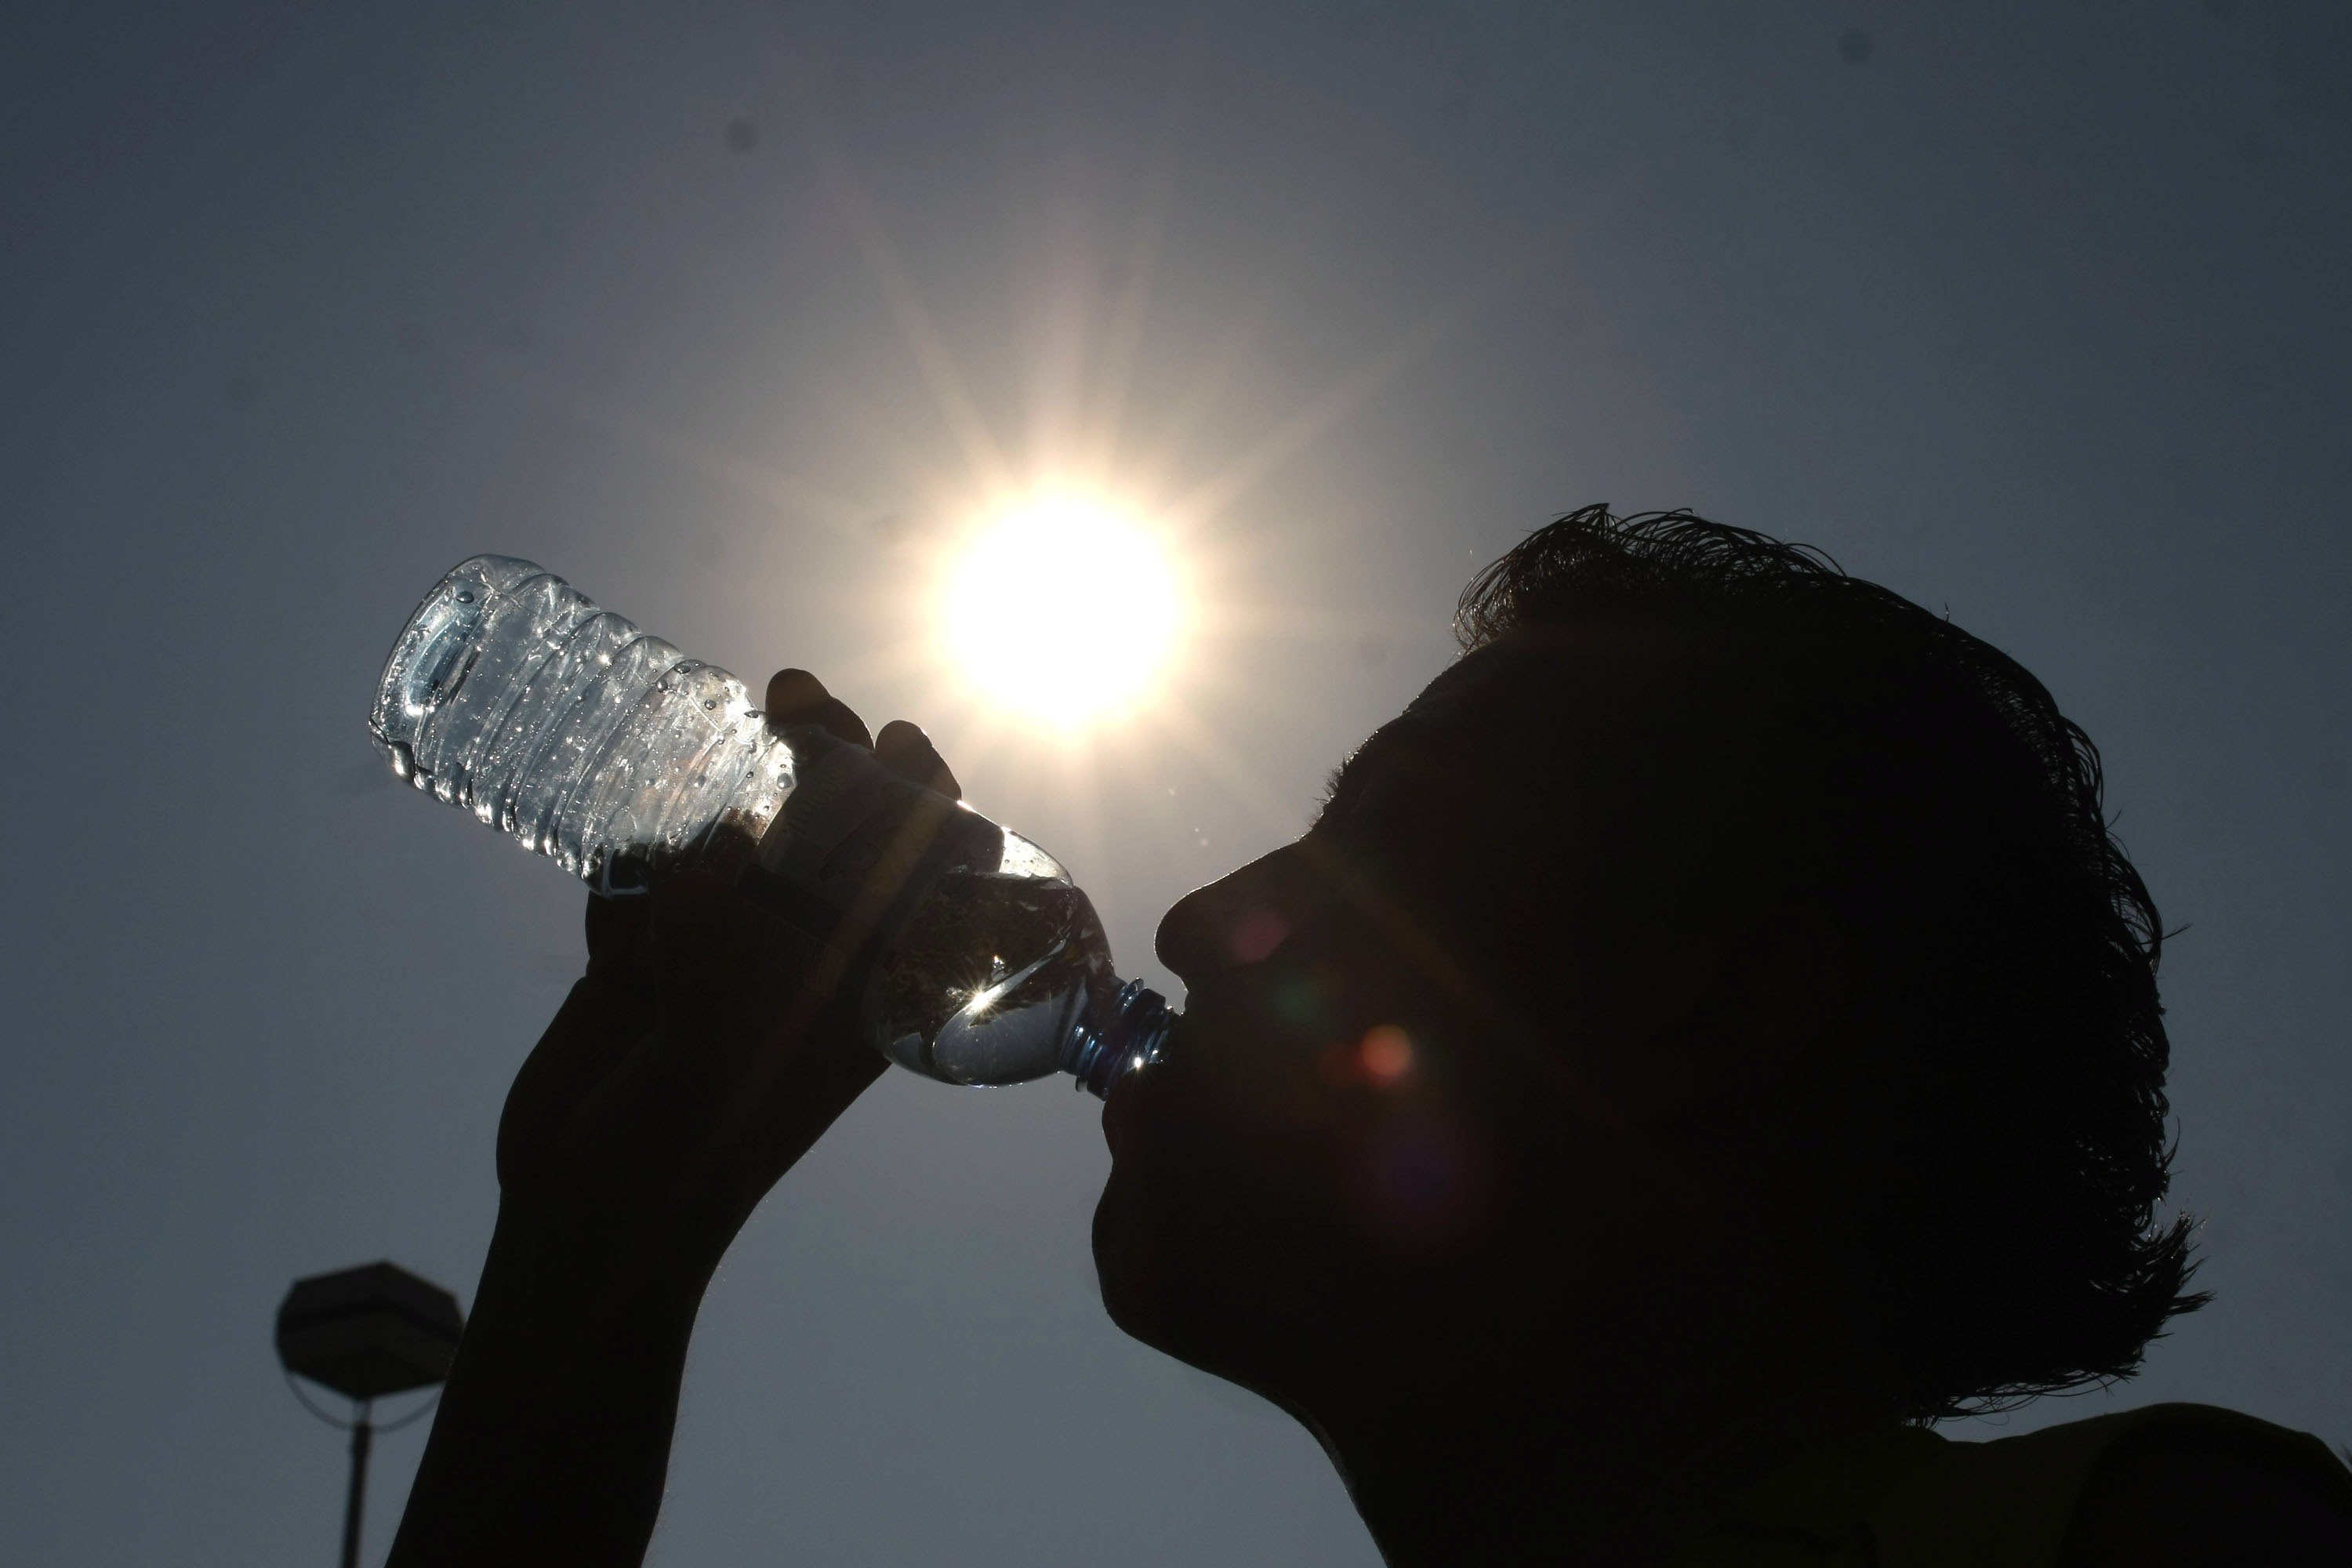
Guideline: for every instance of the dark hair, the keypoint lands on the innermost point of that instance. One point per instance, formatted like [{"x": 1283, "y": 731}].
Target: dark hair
[{"x": 1925, "y": 789}]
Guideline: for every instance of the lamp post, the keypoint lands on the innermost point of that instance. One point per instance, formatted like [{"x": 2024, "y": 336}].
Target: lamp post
[{"x": 366, "y": 1332}]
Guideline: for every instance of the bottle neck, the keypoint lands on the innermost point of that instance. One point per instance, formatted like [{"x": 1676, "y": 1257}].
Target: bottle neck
[{"x": 1103, "y": 1049}]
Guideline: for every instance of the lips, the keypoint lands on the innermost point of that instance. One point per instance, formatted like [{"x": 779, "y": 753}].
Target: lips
[
  {"x": 1113, "y": 1112},
  {"x": 1120, "y": 1111}
]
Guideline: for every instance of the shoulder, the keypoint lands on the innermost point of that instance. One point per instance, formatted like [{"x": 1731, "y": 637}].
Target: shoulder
[
  {"x": 2186, "y": 1486},
  {"x": 2169, "y": 1486}
]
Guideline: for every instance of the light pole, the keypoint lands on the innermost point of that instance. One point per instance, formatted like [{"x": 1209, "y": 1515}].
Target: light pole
[{"x": 366, "y": 1332}]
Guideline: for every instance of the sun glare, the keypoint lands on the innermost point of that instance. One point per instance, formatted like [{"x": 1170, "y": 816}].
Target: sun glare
[{"x": 1062, "y": 608}]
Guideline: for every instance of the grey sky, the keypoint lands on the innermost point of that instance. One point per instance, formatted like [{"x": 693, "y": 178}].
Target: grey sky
[{"x": 2035, "y": 311}]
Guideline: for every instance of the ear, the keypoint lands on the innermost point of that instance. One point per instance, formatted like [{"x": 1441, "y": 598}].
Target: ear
[
  {"x": 1757, "y": 1008},
  {"x": 1802, "y": 977}
]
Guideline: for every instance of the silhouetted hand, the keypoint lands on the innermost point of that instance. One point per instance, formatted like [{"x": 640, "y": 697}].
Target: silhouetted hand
[{"x": 706, "y": 1047}]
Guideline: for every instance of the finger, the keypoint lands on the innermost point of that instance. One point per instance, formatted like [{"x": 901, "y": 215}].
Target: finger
[
  {"x": 796, "y": 697},
  {"x": 906, "y": 751},
  {"x": 792, "y": 692}
]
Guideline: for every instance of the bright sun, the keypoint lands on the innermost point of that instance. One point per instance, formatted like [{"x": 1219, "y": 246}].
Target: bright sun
[{"x": 1061, "y": 607}]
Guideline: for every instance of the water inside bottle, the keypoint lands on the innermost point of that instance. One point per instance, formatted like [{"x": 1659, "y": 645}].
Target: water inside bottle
[{"x": 989, "y": 978}]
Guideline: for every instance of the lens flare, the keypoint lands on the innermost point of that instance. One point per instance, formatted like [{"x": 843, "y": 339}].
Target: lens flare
[
  {"x": 1387, "y": 1055},
  {"x": 1062, "y": 608}
]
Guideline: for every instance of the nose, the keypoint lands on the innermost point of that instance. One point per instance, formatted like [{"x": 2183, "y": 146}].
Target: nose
[{"x": 1238, "y": 919}]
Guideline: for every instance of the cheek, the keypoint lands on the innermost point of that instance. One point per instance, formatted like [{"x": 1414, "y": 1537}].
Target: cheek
[
  {"x": 1309, "y": 1003},
  {"x": 1293, "y": 1109},
  {"x": 1421, "y": 1180},
  {"x": 1248, "y": 1158},
  {"x": 1248, "y": 1069}
]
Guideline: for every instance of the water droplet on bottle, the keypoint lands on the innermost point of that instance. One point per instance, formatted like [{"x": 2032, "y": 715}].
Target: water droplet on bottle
[{"x": 565, "y": 770}]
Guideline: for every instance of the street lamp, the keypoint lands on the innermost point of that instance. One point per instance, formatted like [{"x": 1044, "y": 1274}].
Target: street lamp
[{"x": 366, "y": 1332}]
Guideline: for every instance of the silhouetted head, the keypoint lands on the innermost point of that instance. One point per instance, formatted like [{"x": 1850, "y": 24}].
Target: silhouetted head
[{"x": 1725, "y": 959}]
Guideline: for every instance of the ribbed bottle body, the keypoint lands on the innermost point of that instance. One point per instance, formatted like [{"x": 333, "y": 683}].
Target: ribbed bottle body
[{"x": 511, "y": 694}]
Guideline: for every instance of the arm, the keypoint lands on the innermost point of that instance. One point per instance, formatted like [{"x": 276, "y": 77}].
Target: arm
[{"x": 701, "y": 1055}]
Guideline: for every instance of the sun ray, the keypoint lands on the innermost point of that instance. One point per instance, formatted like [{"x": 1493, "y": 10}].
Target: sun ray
[
  {"x": 1229, "y": 769},
  {"x": 983, "y": 457},
  {"x": 1131, "y": 306},
  {"x": 957, "y": 468},
  {"x": 763, "y": 482},
  {"x": 895, "y": 662},
  {"x": 1155, "y": 466},
  {"x": 1089, "y": 831},
  {"x": 1324, "y": 412}
]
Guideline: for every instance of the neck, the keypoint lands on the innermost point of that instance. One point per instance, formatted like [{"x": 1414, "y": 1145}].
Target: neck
[{"x": 1496, "y": 1467}]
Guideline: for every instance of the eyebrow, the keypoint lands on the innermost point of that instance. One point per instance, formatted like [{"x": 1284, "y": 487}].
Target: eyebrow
[
  {"x": 1346, "y": 780},
  {"x": 1341, "y": 782}
]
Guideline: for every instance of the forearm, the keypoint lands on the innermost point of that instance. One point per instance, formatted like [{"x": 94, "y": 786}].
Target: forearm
[
  {"x": 552, "y": 1443},
  {"x": 684, "y": 1076}
]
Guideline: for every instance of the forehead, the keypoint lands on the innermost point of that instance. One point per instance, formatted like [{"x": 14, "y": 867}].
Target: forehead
[
  {"x": 1549, "y": 693},
  {"x": 1486, "y": 682}
]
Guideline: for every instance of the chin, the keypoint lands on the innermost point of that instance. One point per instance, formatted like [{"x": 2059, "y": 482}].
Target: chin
[
  {"x": 1151, "y": 1293},
  {"x": 1126, "y": 1266},
  {"x": 1148, "y": 1288}
]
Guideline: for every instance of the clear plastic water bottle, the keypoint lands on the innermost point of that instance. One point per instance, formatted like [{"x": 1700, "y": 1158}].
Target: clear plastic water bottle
[{"x": 512, "y": 695}]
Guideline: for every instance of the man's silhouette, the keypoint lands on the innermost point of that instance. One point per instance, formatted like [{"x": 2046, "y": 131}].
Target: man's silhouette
[{"x": 1708, "y": 1034}]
